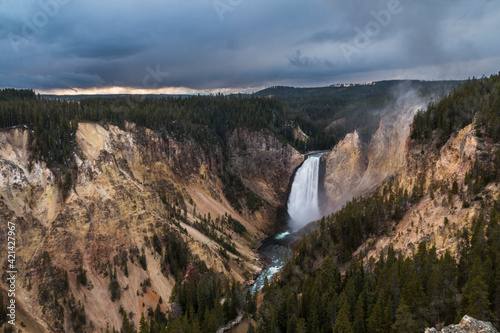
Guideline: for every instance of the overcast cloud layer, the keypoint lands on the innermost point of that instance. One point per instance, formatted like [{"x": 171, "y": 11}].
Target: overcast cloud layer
[{"x": 231, "y": 45}]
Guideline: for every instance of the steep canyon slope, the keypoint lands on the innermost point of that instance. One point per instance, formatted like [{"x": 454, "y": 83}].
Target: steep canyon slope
[
  {"x": 129, "y": 188},
  {"x": 111, "y": 235}
]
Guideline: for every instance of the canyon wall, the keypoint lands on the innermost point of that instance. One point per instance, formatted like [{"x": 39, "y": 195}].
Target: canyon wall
[
  {"x": 125, "y": 188},
  {"x": 353, "y": 168}
]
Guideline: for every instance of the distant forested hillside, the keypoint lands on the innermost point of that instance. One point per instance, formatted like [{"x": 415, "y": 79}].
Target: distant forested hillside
[
  {"x": 17, "y": 94},
  {"x": 338, "y": 110}
]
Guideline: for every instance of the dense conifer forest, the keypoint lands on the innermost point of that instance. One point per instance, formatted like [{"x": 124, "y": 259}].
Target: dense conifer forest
[
  {"x": 394, "y": 294},
  {"x": 208, "y": 120},
  {"x": 479, "y": 98}
]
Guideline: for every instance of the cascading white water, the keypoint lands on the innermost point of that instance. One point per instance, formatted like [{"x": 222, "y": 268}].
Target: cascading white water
[{"x": 303, "y": 204}]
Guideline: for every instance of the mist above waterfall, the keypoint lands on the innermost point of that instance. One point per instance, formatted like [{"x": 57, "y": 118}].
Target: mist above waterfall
[{"x": 303, "y": 203}]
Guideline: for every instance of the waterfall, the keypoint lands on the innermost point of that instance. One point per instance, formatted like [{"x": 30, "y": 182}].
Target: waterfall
[
  {"x": 303, "y": 208},
  {"x": 303, "y": 200}
]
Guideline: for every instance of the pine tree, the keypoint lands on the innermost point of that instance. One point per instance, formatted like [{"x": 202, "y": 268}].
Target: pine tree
[
  {"x": 315, "y": 317},
  {"x": 413, "y": 293},
  {"x": 291, "y": 325},
  {"x": 251, "y": 304},
  {"x": 388, "y": 318},
  {"x": 127, "y": 326},
  {"x": 301, "y": 326},
  {"x": 404, "y": 320},
  {"x": 330, "y": 276},
  {"x": 342, "y": 322},
  {"x": 359, "y": 314},
  {"x": 448, "y": 268},
  {"x": 475, "y": 299},
  {"x": 374, "y": 323},
  {"x": 211, "y": 322},
  {"x": 195, "y": 325},
  {"x": 143, "y": 325}
]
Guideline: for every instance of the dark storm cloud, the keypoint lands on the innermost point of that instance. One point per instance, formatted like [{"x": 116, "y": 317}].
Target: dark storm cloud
[{"x": 216, "y": 44}]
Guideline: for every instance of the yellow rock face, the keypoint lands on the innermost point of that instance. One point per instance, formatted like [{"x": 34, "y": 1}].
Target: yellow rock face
[
  {"x": 354, "y": 168},
  {"x": 435, "y": 219}
]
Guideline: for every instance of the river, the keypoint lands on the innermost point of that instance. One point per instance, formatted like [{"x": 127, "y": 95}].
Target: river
[{"x": 276, "y": 249}]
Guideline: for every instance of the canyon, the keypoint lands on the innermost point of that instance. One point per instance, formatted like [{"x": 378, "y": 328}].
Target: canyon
[{"x": 131, "y": 184}]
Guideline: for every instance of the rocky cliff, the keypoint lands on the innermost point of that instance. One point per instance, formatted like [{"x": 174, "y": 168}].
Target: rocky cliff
[
  {"x": 130, "y": 190},
  {"x": 265, "y": 165},
  {"x": 354, "y": 168}
]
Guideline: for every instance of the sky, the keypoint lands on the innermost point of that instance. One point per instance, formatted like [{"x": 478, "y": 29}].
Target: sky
[{"x": 207, "y": 46}]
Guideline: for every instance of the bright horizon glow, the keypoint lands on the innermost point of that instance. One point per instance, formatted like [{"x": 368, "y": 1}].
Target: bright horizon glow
[
  {"x": 141, "y": 91},
  {"x": 423, "y": 73}
]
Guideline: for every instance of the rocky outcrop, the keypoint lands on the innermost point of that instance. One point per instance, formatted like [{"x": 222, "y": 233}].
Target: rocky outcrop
[
  {"x": 344, "y": 167},
  {"x": 387, "y": 148},
  {"x": 467, "y": 325},
  {"x": 451, "y": 162}
]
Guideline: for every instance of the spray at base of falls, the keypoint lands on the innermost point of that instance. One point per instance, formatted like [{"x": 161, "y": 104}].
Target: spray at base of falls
[{"x": 303, "y": 206}]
